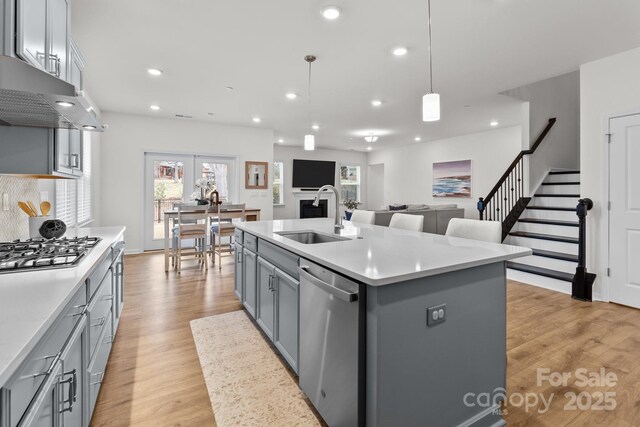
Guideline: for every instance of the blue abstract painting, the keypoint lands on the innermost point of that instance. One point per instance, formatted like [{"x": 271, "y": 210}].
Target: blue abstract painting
[{"x": 452, "y": 179}]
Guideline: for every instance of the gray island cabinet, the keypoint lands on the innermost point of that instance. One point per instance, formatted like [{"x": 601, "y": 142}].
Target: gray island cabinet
[
  {"x": 56, "y": 332},
  {"x": 417, "y": 320}
]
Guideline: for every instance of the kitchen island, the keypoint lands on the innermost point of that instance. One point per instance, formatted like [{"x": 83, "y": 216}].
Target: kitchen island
[{"x": 383, "y": 326}]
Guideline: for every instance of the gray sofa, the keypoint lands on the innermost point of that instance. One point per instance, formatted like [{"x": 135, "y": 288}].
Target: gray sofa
[{"x": 436, "y": 217}]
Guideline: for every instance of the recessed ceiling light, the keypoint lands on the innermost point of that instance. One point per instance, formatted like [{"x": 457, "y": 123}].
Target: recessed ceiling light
[
  {"x": 417, "y": 139},
  {"x": 230, "y": 87},
  {"x": 331, "y": 12},
  {"x": 257, "y": 119},
  {"x": 291, "y": 95},
  {"x": 493, "y": 123},
  {"x": 400, "y": 51},
  {"x": 211, "y": 114},
  {"x": 155, "y": 71},
  {"x": 281, "y": 140},
  {"x": 369, "y": 148},
  {"x": 89, "y": 127},
  {"x": 315, "y": 127},
  {"x": 155, "y": 107},
  {"x": 65, "y": 103},
  {"x": 376, "y": 103}
]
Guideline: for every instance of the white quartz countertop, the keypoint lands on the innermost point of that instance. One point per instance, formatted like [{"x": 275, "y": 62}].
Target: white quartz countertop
[
  {"x": 31, "y": 301},
  {"x": 378, "y": 255}
]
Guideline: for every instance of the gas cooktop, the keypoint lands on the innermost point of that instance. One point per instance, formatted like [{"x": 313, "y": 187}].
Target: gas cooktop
[{"x": 42, "y": 254}]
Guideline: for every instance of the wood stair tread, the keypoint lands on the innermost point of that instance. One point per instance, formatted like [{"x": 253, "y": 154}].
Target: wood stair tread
[
  {"x": 570, "y": 172},
  {"x": 546, "y": 272},
  {"x": 555, "y": 255},
  {"x": 572, "y": 196},
  {"x": 562, "y": 183},
  {"x": 549, "y": 222},
  {"x": 552, "y": 208},
  {"x": 549, "y": 237}
]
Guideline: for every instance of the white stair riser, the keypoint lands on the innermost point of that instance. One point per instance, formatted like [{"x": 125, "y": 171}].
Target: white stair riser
[
  {"x": 554, "y": 230},
  {"x": 542, "y": 214},
  {"x": 550, "y": 263},
  {"x": 547, "y": 245},
  {"x": 540, "y": 281},
  {"x": 559, "y": 189},
  {"x": 562, "y": 202},
  {"x": 569, "y": 177}
]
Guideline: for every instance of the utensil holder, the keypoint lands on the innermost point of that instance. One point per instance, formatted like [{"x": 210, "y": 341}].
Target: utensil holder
[{"x": 34, "y": 225}]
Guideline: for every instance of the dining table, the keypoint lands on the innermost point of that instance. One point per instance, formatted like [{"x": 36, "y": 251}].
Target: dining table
[{"x": 251, "y": 214}]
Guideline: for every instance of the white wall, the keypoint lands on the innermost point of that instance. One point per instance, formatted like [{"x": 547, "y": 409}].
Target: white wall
[
  {"x": 557, "y": 97},
  {"x": 122, "y": 162},
  {"x": 408, "y": 170},
  {"x": 286, "y": 154},
  {"x": 375, "y": 186},
  {"x": 609, "y": 87}
]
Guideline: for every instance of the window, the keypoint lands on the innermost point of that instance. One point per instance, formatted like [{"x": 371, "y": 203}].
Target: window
[
  {"x": 66, "y": 201},
  {"x": 350, "y": 182},
  {"x": 278, "y": 179}
]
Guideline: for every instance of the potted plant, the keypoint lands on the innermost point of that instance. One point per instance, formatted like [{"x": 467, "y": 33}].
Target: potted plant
[
  {"x": 204, "y": 187},
  {"x": 351, "y": 205}
]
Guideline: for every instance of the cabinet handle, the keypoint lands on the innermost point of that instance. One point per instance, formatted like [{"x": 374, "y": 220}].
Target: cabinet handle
[
  {"x": 73, "y": 391},
  {"x": 82, "y": 306},
  {"x": 101, "y": 321},
  {"x": 101, "y": 375},
  {"x": 56, "y": 64},
  {"x": 107, "y": 297},
  {"x": 273, "y": 283},
  {"x": 76, "y": 161},
  {"x": 48, "y": 371},
  {"x": 108, "y": 339}
]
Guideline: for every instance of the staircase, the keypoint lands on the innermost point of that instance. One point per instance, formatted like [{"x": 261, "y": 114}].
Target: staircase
[{"x": 549, "y": 226}]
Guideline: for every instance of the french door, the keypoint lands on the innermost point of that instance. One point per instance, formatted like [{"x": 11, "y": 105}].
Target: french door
[
  {"x": 624, "y": 216},
  {"x": 171, "y": 179}
]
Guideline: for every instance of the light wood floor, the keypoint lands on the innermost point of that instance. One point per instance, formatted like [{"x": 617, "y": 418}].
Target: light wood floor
[{"x": 154, "y": 378}]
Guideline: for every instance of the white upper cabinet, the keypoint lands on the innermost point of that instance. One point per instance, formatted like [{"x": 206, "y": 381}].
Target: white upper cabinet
[{"x": 42, "y": 29}]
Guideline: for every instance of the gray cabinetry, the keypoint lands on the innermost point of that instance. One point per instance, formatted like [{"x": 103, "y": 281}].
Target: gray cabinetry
[
  {"x": 42, "y": 34},
  {"x": 249, "y": 270},
  {"x": 265, "y": 315},
  {"x": 68, "y": 152},
  {"x": 237, "y": 279},
  {"x": 44, "y": 411},
  {"x": 118, "y": 284},
  {"x": 31, "y": 27},
  {"x": 287, "y": 316},
  {"x": 72, "y": 379},
  {"x": 76, "y": 66}
]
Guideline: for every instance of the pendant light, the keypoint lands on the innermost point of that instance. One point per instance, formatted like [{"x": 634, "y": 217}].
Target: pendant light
[
  {"x": 309, "y": 139},
  {"x": 431, "y": 101}
]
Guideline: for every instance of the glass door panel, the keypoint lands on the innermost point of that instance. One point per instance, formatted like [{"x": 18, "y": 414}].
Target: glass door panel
[{"x": 222, "y": 171}]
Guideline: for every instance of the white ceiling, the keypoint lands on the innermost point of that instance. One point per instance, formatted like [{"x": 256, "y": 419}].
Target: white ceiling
[{"x": 480, "y": 48}]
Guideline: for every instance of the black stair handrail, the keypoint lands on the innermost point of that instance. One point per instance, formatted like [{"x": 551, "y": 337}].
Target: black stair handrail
[
  {"x": 582, "y": 285},
  {"x": 510, "y": 187}
]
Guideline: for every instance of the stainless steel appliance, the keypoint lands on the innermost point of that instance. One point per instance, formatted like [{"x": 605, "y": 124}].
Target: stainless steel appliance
[
  {"x": 42, "y": 254},
  {"x": 332, "y": 333}
]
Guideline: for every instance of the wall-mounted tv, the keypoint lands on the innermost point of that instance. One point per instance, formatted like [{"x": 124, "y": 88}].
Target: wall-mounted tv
[{"x": 313, "y": 173}]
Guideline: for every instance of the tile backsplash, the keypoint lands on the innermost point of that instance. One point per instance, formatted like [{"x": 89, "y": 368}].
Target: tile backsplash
[{"x": 14, "y": 224}]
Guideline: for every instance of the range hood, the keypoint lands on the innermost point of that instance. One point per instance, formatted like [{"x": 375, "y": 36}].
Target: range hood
[{"x": 34, "y": 98}]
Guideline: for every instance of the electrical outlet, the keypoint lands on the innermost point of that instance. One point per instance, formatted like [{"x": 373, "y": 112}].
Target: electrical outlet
[
  {"x": 5, "y": 201},
  {"x": 436, "y": 314}
]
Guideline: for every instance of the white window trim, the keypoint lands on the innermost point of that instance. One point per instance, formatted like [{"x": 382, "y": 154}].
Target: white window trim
[
  {"x": 282, "y": 175},
  {"x": 359, "y": 180}
]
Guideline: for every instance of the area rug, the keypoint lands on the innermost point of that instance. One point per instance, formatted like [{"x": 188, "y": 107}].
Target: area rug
[{"x": 247, "y": 382}]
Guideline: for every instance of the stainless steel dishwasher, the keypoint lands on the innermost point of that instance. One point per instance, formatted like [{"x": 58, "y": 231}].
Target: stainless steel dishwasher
[{"x": 332, "y": 333}]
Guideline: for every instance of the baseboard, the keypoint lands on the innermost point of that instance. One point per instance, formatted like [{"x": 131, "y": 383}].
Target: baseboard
[
  {"x": 132, "y": 251},
  {"x": 539, "y": 281}
]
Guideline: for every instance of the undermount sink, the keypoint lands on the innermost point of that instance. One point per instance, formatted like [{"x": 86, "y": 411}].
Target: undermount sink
[{"x": 311, "y": 237}]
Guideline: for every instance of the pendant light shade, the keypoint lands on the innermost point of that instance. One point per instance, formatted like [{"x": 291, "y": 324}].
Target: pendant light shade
[
  {"x": 431, "y": 101},
  {"x": 431, "y": 107},
  {"x": 309, "y": 139},
  {"x": 309, "y": 142}
]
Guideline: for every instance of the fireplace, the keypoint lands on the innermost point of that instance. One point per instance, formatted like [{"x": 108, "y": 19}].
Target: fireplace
[{"x": 307, "y": 210}]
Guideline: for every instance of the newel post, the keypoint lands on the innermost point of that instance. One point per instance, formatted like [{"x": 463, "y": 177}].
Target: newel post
[
  {"x": 481, "y": 207},
  {"x": 582, "y": 285}
]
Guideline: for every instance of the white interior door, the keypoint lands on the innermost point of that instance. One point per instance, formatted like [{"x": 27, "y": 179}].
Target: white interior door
[
  {"x": 168, "y": 180},
  {"x": 624, "y": 217},
  {"x": 375, "y": 186}
]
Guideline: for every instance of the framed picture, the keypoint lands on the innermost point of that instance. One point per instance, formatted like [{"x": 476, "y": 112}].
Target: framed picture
[
  {"x": 452, "y": 179},
  {"x": 256, "y": 175}
]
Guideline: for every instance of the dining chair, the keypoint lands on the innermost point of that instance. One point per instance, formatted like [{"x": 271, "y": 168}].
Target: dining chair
[
  {"x": 174, "y": 230},
  {"x": 407, "y": 222},
  {"x": 191, "y": 224},
  {"x": 486, "y": 231},
  {"x": 363, "y": 217},
  {"x": 225, "y": 228}
]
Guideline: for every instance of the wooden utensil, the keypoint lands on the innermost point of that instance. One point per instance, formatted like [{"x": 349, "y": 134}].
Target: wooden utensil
[
  {"x": 33, "y": 208},
  {"x": 25, "y": 208},
  {"x": 45, "y": 207}
]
